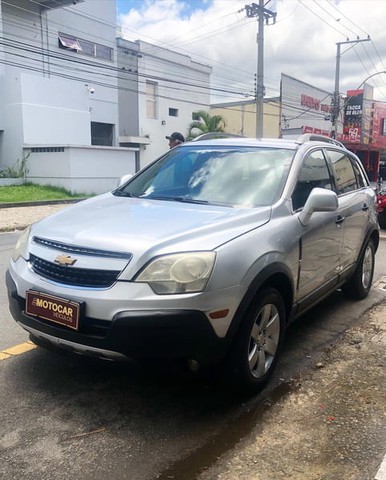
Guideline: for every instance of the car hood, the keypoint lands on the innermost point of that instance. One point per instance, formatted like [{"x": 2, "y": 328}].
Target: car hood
[{"x": 137, "y": 225}]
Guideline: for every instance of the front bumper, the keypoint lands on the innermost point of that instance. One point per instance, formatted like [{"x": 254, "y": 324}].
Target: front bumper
[{"x": 134, "y": 334}]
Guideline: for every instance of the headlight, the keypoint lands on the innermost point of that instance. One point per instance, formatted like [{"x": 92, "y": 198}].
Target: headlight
[
  {"x": 21, "y": 245},
  {"x": 179, "y": 273}
]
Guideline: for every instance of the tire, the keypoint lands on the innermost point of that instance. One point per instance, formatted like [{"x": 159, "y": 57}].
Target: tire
[
  {"x": 359, "y": 284},
  {"x": 258, "y": 342},
  {"x": 382, "y": 219}
]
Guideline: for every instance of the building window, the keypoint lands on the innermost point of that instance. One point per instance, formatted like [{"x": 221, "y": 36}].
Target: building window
[
  {"x": 78, "y": 45},
  {"x": 151, "y": 99},
  {"x": 173, "y": 112},
  {"x": 383, "y": 131},
  {"x": 69, "y": 43},
  {"x": 102, "y": 134}
]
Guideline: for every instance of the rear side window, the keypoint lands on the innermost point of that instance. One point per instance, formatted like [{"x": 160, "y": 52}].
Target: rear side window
[
  {"x": 346, "y": 180},
  {"x": 359, "y": 173},
  {"x": 314, "y": 173}
]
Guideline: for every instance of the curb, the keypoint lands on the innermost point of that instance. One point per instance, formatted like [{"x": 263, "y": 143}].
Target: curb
[{"x": 40, "y": 203}]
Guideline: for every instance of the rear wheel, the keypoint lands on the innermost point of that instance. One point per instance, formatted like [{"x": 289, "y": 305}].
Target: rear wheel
[
  {"x": 257, "y": 345},
  {"x": 359, "y": 284}
]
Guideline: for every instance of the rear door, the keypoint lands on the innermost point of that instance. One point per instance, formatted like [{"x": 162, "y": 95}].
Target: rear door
[{"x": 355, "y": 203}]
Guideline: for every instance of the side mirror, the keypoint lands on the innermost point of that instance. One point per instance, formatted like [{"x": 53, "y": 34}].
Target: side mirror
[
  {"x": 319, "y": 200},
  {"x": 124, "y": 179}
]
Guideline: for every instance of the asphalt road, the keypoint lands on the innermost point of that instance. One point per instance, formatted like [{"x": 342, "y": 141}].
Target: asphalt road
[{"x": 67, "y": 417}]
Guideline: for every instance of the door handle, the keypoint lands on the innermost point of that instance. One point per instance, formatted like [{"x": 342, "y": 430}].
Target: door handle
[
  {"x": 365, "y": 207},
  {"x": 339, "y": 219}
]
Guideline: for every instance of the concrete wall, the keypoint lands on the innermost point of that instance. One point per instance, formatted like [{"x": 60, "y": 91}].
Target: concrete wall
[{"x": 90, "y": 170}]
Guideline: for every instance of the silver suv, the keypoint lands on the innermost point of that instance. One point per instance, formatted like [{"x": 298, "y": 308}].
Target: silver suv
[{"x": 207, "y": 254}]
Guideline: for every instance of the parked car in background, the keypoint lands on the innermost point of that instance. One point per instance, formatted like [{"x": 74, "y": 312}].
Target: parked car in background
[
  {"x": 381, "y": 206},
  {"x": 207, "y": 254}
]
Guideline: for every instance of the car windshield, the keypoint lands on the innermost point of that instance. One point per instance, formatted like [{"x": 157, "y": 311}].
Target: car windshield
[{"x": 236, "y": 176}]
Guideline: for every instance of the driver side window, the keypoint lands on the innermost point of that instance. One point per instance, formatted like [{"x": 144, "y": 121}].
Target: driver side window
[{"x": 314, "y": 173}]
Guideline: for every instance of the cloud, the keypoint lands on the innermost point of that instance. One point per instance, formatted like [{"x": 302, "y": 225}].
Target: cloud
[{"x": 302, "y": 42}]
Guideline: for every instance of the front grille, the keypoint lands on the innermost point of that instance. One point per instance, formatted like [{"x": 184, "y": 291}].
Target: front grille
[
  {"x": 82, "y": 277},
  {"x": 78, "y": 250}
]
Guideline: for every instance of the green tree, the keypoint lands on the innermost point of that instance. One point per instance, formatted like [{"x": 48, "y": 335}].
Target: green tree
[{"x": 205, "y": 123}]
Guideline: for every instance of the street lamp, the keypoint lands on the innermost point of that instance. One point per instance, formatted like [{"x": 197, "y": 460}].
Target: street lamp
[
  {"x": 347, "y": 101},
  {"x": 370, "y": 76},
  {"x": 336, "y": 97}
]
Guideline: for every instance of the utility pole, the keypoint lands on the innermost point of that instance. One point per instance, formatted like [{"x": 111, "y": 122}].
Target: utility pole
[
  {"x": 264, "y": 16},
  {"x": 336, "y": 97}
]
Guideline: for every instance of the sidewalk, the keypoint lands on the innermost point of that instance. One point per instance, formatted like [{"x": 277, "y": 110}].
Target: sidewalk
[{"x": 19, "y": 217}]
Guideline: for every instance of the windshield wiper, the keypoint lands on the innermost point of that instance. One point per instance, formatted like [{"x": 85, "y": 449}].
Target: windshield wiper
[
  {"x": 190, "y": 200},
  {"x": 121, "y": 193},
  {"x": 178, "y": 199}
]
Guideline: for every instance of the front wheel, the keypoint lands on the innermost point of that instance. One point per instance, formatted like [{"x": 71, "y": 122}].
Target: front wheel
[
  {"x": 359, "y": 284},
  {"x": 257, "y": 344}
]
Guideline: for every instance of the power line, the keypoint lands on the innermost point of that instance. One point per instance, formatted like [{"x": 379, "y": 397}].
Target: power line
[{"x": 54, "y": 33}]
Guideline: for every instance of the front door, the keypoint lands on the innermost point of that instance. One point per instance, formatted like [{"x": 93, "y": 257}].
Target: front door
[{"x": 321, "y": 241}]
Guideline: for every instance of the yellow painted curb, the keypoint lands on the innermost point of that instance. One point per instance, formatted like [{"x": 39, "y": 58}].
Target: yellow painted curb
[{"x": 17, "y": 350}]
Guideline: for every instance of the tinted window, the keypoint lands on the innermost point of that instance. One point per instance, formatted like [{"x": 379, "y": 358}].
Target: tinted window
[
  {"x": 314, "y": 173},
  {"x": 344, "y": 171}
]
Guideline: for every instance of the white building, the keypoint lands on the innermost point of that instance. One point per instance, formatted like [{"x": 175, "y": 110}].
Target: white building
[
  {"x": 170, "y": 87},
  {"x": 59, "y": 93},
  {"x": 67, "y": 105},
  {"x": 304, "y": 108}
]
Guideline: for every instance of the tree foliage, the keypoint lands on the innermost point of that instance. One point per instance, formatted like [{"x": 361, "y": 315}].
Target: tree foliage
[{"x": 205, "y": 123}]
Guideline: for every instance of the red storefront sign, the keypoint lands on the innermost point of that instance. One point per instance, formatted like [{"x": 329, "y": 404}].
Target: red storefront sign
[{"x": 353, "y": 114}]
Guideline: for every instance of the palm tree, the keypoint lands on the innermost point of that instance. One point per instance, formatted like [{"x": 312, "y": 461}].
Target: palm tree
[{"x": 205, "y": 123}]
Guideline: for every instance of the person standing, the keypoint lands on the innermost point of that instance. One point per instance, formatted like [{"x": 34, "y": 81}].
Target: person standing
[{"x": 175, "y": 139}]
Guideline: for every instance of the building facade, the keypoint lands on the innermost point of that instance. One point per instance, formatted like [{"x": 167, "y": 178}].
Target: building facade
[
  {"x": 76, "y": 102},
  {"x": 240, "y": 117},
  {"x": 364, "y": 129},
  {"x": 170, "y": 87},
  {"x": 304, "y": 109},
  {"x": 59, "y": 93}
]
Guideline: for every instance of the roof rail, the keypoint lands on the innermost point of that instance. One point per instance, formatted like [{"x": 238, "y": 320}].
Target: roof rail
[
  {"x": 312, "y": 137},
  {"x": 213, "y": 135}
]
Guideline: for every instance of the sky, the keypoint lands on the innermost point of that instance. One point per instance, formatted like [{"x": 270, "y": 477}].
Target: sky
[{"x": 301, "y": 43}]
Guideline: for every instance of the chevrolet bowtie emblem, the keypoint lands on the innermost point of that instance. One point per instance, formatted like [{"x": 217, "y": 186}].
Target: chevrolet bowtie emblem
[{"x": 65, "y": 260}]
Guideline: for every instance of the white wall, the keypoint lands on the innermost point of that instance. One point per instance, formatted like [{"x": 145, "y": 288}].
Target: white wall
[
  {"x": 88, "y": 170},
  {"x": 54, "y": 111}
]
